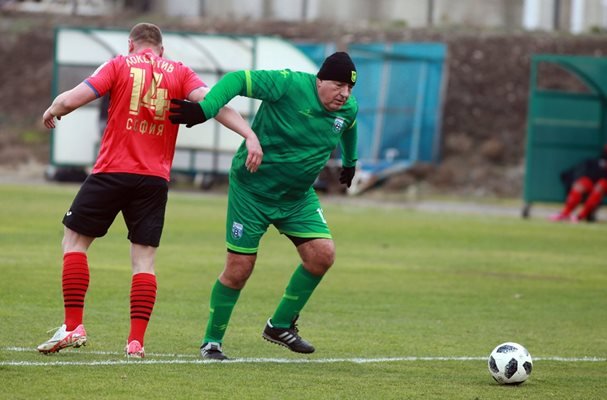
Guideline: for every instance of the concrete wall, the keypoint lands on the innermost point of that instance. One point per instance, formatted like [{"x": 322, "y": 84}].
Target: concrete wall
[
  {"x": 576, "y": 16},
  {"x": 529, "y": 14},
  {"x": 415, "y": 13}
]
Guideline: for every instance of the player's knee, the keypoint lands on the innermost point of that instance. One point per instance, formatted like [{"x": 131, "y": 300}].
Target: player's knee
[
  {"x": 325, "y": 258},
  {"x": 233, "y": 282},
  {"x": 74, "y": 242},
  {"x": 237, "y": 271},
  {"x": 317, "y": 255},
  {"x": 583, "y": 185},
  {"x": 329, "y": 259}
]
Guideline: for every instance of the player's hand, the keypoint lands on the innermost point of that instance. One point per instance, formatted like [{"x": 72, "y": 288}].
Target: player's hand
[
  {"x": 49, "y": 119},
  {"x": 186, "y": 112},
  {"x": 255, "y": 153},
  {"x": 346, "y": 175}
]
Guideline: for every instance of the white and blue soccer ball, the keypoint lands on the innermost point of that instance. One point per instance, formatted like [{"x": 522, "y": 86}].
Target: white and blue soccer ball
[{"x": 510, "y": 363}]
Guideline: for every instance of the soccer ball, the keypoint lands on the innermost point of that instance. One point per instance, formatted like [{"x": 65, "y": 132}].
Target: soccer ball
[{"x": 510, "y": 364}]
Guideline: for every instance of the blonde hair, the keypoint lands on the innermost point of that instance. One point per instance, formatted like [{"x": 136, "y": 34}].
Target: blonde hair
[{"x": 146, "y": 33}]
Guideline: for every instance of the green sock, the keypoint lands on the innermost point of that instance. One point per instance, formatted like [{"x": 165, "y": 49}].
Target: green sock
[
  {"x": 299, "y": 290},
  {"x": 223, "y": 300}
]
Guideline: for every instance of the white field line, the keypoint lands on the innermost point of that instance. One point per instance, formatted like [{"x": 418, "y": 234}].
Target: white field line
[{"x": 192, "y": 359}]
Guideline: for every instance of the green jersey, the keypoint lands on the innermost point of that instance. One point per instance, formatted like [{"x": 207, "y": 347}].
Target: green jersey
[{"x": 297, "y": 134}]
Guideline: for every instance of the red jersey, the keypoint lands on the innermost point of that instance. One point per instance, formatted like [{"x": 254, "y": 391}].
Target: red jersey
[{"x": 139, "y": 138}]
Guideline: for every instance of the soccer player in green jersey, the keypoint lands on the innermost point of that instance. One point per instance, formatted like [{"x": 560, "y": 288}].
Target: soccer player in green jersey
[{"x": 301, "y": 120}]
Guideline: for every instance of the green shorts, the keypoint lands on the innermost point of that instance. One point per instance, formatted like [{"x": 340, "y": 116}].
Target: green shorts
[{"x": 249, "y": 216}]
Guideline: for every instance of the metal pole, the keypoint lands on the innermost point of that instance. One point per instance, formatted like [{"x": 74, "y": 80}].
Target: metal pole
[
  {"x": 304, "y": 10},
  {"x": 382, "y": 96},
  {"x": 577, "y": 16},
  {"x": 430, "y": 14},
  {"x": 266, "y": 8},
  {"x": 556, "y": 22},
  {"x": 531, "y": 14}
]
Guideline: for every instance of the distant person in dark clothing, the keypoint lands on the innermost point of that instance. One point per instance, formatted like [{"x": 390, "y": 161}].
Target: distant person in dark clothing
[{"x": 586, "y": 180}]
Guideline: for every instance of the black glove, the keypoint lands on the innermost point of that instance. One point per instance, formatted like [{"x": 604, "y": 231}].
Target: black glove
[
  {"x": 186, "y": 112},
  {"x": 346, "y": 175}
]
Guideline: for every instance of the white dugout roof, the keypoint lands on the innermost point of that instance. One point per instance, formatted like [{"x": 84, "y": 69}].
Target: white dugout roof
[{"x": 203, "y": 148}]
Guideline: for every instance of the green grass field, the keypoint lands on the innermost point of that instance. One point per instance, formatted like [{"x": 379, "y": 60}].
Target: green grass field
[{"x": 411, "y": 309}]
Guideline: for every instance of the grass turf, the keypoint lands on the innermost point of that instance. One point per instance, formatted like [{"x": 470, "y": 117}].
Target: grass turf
[{"x": 439, "y": 288}]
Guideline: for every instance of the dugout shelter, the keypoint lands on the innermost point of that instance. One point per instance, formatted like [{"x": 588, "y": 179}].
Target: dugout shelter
[
  {"x": 205, "y": 149},
  {"x": 566, "y": 123}
]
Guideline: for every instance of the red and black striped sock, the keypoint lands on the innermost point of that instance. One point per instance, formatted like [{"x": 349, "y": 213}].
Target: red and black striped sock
[
  {"x": 595, "y": 199},
  {"x": 143, "y": 298},
  {"x": 576, "y": 194},
  {"x": 75, "y": 283}
]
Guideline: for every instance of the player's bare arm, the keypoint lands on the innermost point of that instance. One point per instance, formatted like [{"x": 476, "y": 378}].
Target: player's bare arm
[
  {"x": 67, "y": 102},
  {"x": 231, "y": 119}
]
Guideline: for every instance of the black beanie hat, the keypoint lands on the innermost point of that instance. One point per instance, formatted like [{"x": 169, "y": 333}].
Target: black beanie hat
[{"x": 338, "y": 67}]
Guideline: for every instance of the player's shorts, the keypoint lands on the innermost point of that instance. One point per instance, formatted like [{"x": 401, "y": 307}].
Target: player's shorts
[
  {"x": 141, "y": 198},
  {"x": 249, "y": 216}
]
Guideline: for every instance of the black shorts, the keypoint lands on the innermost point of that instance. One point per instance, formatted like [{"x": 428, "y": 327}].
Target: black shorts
[{"x": 142, "y": 200}]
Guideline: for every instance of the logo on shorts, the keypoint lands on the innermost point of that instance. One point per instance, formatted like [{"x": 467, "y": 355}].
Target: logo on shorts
[
  {"x": 237, "y": 230},
  {"x": 67, "y": 214}
]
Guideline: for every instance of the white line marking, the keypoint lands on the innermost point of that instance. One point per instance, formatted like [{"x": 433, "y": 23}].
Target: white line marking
[
  {"x": 193, "y": 359},
  {"x": 104, "y": 353}
]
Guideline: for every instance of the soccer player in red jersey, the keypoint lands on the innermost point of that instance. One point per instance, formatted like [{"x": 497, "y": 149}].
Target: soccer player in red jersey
[{"x": 130, "y": 175}]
